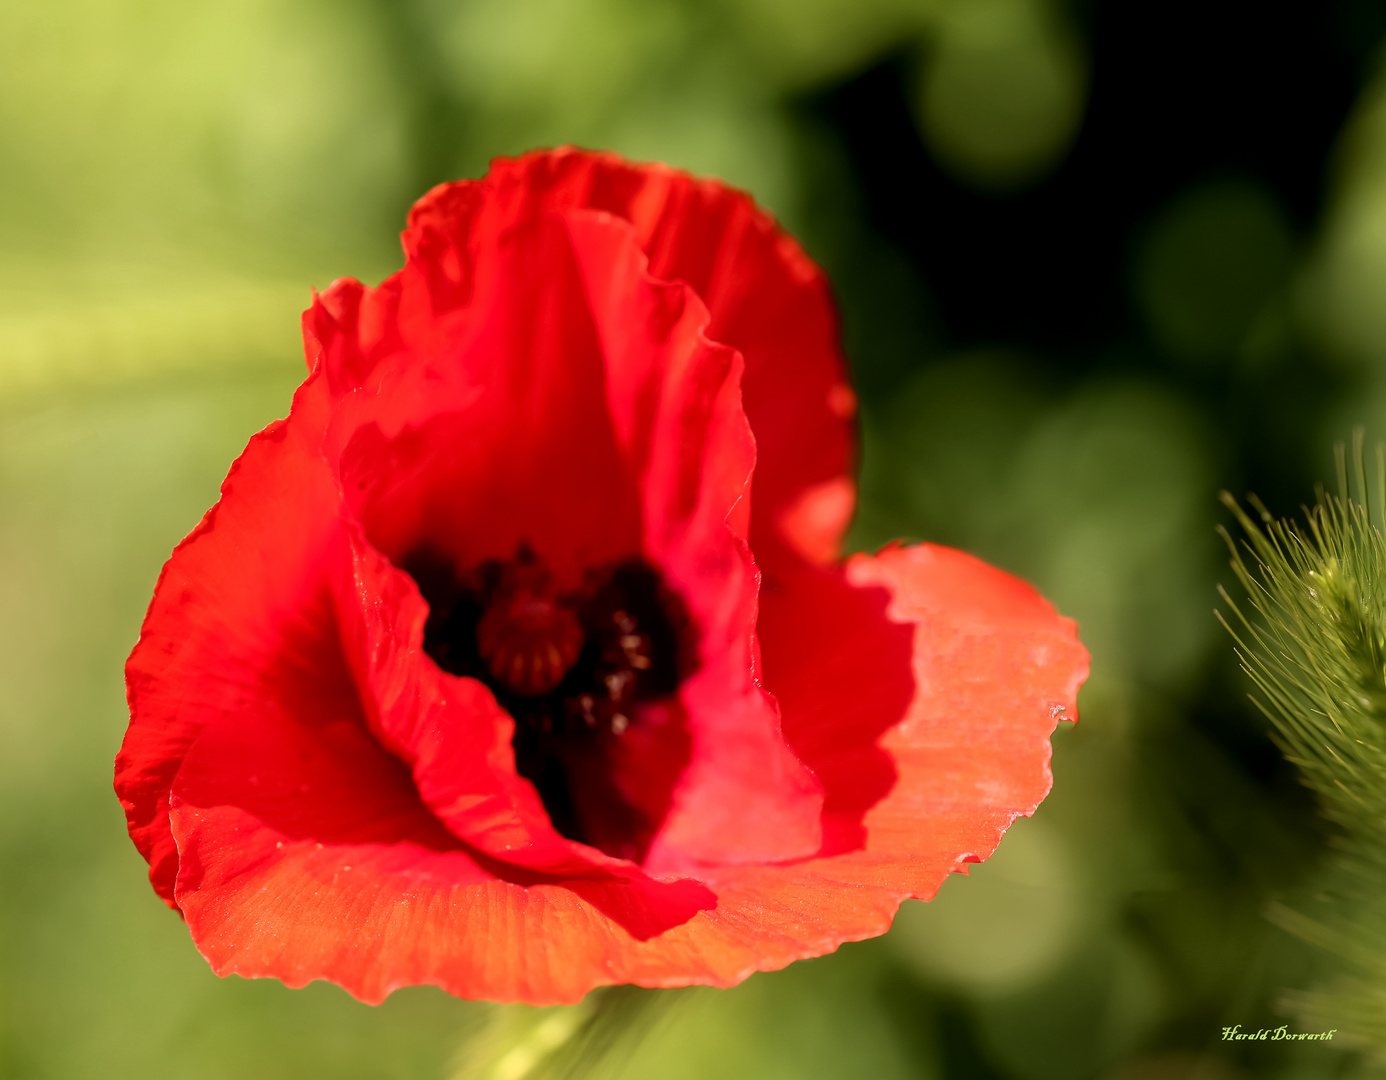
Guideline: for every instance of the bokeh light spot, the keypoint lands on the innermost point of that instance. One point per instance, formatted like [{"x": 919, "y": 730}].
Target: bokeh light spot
[
  {"x": 1209, "y": 266},
  {"x": 1002, "y": 93},
  {"x": 1010, "y": 923}
]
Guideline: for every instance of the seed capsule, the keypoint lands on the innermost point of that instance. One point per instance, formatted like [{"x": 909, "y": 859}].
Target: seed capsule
[{"x": 529, "y": 642}]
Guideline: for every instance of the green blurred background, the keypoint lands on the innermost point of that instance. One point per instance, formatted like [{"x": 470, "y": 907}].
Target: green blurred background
[{"x": 1096, "y": 261}]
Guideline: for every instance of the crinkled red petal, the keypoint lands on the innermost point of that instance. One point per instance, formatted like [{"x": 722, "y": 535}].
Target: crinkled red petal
[
  {"x": 215, "y": 625},
  {"x": 766, "y": 298},
  {"x": 373, "y": 912},
  {"x": 305, "y": 852}
]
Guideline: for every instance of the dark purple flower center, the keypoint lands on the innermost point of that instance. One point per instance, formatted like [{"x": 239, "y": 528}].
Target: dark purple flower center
[{"x": 573, "y": 670}]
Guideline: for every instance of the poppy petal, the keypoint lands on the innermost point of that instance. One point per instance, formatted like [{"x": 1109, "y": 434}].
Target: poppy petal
[
  {"x": 971, "y": 754},
  {"x": 765, "y": 297},
  {"x": 215, "y": 623},
  {"x": 305, "y": 853},
  {"x": 744, "y": 796}
]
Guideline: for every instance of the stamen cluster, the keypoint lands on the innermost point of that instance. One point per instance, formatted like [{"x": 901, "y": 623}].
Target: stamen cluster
[{"x": 571, "y": 668}]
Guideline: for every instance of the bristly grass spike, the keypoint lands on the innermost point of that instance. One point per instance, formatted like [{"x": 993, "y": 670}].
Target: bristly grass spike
[{"x": 1314, "y": 645}]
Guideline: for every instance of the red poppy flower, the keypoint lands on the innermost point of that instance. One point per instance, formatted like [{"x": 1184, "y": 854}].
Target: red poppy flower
[{"x": 519, "y": 659}]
